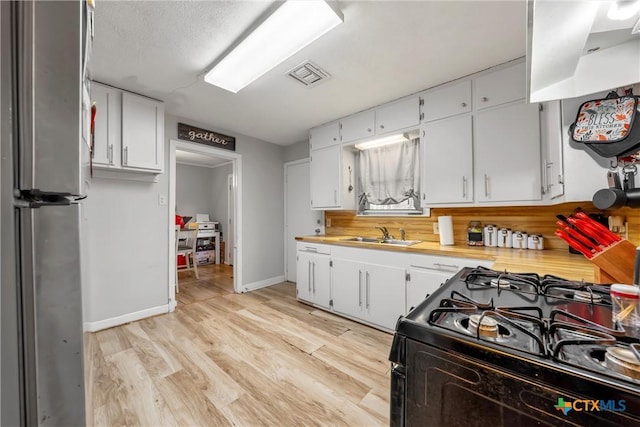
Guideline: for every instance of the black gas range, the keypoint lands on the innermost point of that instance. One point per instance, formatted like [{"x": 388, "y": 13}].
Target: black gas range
[{"x": 493, "y": 348}]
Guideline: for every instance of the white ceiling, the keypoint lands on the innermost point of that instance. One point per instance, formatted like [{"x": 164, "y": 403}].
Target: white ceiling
[
  {"x": 196, "y": 159},
  {"x": 384, "y": 50}
]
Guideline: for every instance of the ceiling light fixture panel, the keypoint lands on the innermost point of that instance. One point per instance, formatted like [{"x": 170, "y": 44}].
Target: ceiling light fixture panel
[
  {"x": 381, "y": 142},
  {"x": 293, "y": 26}
]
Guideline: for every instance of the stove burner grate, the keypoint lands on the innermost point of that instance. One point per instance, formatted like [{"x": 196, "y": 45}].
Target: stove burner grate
[
  {"x": 483, "y": 277},
  {"x": 577, "y": 291}
]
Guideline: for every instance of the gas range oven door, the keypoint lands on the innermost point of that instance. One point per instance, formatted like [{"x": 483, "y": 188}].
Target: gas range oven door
[{"x": 444, "y": 389}]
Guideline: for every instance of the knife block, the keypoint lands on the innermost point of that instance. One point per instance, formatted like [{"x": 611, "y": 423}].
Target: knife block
[{"x": 615, "y": 263}]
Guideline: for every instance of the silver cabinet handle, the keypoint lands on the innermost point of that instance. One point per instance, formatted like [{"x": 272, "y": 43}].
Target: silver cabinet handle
[
  {"x": 547, "y": 167},
  {"x": 485, "y": 99},
  {"x": 110, "y": 154},
  {"x": 335, "y": 196},
  {"x": 126, "y": 155},
  {"x": 464, "y": 187},
  {"x": 313, "y": 276},
  {"x": 486, "y": 185},
  {"x": 455, "y": 267},
  {"x": 367, "y": 289},
  {"x": 310, "y": 249},
  {"x": 464, "y": 104},
  {"x": 381, "y": 126},
  {"x": 359, "y": 288},
  {"x": 368, "y": 129},
  {"x": 309, "y": 275}
]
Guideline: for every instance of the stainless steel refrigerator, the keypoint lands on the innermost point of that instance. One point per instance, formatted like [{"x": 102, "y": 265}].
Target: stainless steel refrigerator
[{"x": 44, "y": 134}]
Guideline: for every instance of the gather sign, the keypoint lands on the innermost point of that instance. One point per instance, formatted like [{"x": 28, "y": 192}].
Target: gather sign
[{"x": 207, "y": 137}]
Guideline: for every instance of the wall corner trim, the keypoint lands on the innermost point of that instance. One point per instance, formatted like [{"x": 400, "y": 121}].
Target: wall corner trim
[
  {"x": 262, "y": 283},
  {"x": 125, "y": 318}
]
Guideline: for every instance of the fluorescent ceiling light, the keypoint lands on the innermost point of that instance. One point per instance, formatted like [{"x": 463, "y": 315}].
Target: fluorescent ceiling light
[
  {"x": 380, "y": 142},
  {"x": 621, "y": 10},
  {"x": 290, "y": 28}
]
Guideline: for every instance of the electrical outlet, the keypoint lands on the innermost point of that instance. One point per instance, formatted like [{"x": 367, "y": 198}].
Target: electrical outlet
[
  {"x": 162, "y": 199},
  {"x": 328, "y": 222},
  {"x": 436, "y": 228}
]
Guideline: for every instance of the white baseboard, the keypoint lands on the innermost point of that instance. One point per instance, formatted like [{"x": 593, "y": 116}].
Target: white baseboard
[
  {"x": 262, "y": 283},
  {"x": 125, "y": 318}
]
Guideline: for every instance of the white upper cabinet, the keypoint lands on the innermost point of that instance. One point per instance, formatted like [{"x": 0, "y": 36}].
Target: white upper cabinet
[
  {"x": 447, "y": 172},
  {"x": 446, "y": 101},
  {"x": 129, "y": 131},
  {"x": 507, "y": 154},
  {"x": 325, "y": 176},
  {"x": 358, "y": 126},
  {"x": 142, "y": 133},
  {"x": 108, "y": 102},
  {"x": 398, "y": 115},
  {"x": 501, "y": 86},
  {"x": 324, "y": 136}
]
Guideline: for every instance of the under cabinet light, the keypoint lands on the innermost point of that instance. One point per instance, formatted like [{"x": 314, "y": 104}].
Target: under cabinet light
[
  {"x": 380, "y": 142},
  {"x": 290, "y": 28},
  {"x": 621, "y": 10}
]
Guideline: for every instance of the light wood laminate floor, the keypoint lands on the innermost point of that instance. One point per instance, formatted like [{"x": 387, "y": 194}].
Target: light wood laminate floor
[{"x": 253, "y": 359}]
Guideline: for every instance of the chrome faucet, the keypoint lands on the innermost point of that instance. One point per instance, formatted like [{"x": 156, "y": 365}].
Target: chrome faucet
[
  {"x": 385, "y": 233},
  {"x": 402, "y": 234}
]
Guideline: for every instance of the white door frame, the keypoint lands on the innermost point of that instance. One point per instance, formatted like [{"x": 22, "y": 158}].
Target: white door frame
[
  {"x": 236, "y": 160},
  {"x": 231, "y": 238},
  {"x": 286, "y": 204}
]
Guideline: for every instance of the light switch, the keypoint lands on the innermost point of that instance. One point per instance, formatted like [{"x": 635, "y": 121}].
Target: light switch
[{"x": 162, "y": 199}]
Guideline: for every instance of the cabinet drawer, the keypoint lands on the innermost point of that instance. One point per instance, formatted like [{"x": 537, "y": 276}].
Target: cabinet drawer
[
  {"x": 447, "y": 101},
  {"x": 324, "y": 136},
  {"x": 358, "y": 126},
  {"x": 505, "y": 85},
  {"x": 398, "y": 115}
]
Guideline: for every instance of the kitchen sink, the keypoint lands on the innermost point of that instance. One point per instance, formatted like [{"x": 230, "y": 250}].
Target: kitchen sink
[{"x": 393, "y": 242}]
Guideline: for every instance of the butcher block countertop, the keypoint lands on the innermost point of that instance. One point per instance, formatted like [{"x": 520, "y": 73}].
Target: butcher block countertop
[{"x": 557, "y": 262}]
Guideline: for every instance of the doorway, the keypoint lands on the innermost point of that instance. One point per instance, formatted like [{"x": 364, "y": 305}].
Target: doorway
[
  {"x": 234, "y": 228},
  {"x": 299, "y": 219}
]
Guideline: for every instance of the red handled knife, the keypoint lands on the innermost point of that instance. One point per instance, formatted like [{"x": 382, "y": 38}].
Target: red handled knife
[{"x": 574, "y": 243}]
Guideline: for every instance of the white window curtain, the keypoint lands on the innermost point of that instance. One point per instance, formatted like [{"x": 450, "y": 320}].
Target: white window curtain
[{"x": 389, "y": 177}]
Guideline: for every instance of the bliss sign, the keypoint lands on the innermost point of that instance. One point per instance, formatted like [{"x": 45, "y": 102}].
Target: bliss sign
[{"x": 207, "y": 137}]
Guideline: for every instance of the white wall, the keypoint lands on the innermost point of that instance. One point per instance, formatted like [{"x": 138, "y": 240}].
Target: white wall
[
  {"x": 297, "y": 151},
  {"x": 127, "y": 233},
  {"x": 193, "y": 190}
]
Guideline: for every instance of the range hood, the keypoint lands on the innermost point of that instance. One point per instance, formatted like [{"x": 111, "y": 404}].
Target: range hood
[{"x": 574, "y": 49}]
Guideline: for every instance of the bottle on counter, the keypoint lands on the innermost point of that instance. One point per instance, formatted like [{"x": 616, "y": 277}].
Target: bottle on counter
[
  {"x": 491, "y": 235},
  {"x": 504, "y": 238},
  {"x": 475, "y": 234}
]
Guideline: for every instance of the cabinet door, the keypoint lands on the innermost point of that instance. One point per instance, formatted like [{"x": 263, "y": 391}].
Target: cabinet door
[
  {"x": 325, "y": 177},
  {"x": 106, "y": 143},
  {"x": 347, "y": 287},
  {"x": 447, "y": 171},
  {"x": 324, "y": 136},
  {"x": 447, "y": 101},
  {"x": 422, "y": 282},
  {"x": 507, "y": 154},
  {"x": 358, "y": 126},
  {"x": 552, "y": 168},
  {"x": 398, "y": 115},
  {"x": 384, "y": 289},
  {"x": 142, "y": 133},
  {"x": 321, "y": 276},
  {"x": 303, "y": 276},
  {"x": 499, "y": 87}
]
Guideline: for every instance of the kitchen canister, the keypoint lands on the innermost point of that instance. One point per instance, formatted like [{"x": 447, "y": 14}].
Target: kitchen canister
[
  {"x": 535, "y": 242},
  {"x": 504, "y": 238},
  {"x": 625, "y": 310},
  {"x": 491, "y": 235},
  {"x": 445, "y": 228},
  {"x": 475, "y": 234},
  {"x": 519, "y": 240}
]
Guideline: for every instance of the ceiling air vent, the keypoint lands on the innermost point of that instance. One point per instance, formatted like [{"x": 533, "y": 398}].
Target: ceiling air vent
[{"x": 309, "y": 74}]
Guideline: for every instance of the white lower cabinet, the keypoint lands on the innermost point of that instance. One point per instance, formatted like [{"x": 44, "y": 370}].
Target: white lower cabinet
[
  {"x": 422, "y": 282},
  {"x": 313, "y": 276},
  {"x": 373, "y": 293},
  {"x": 369, "y": 285}
]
